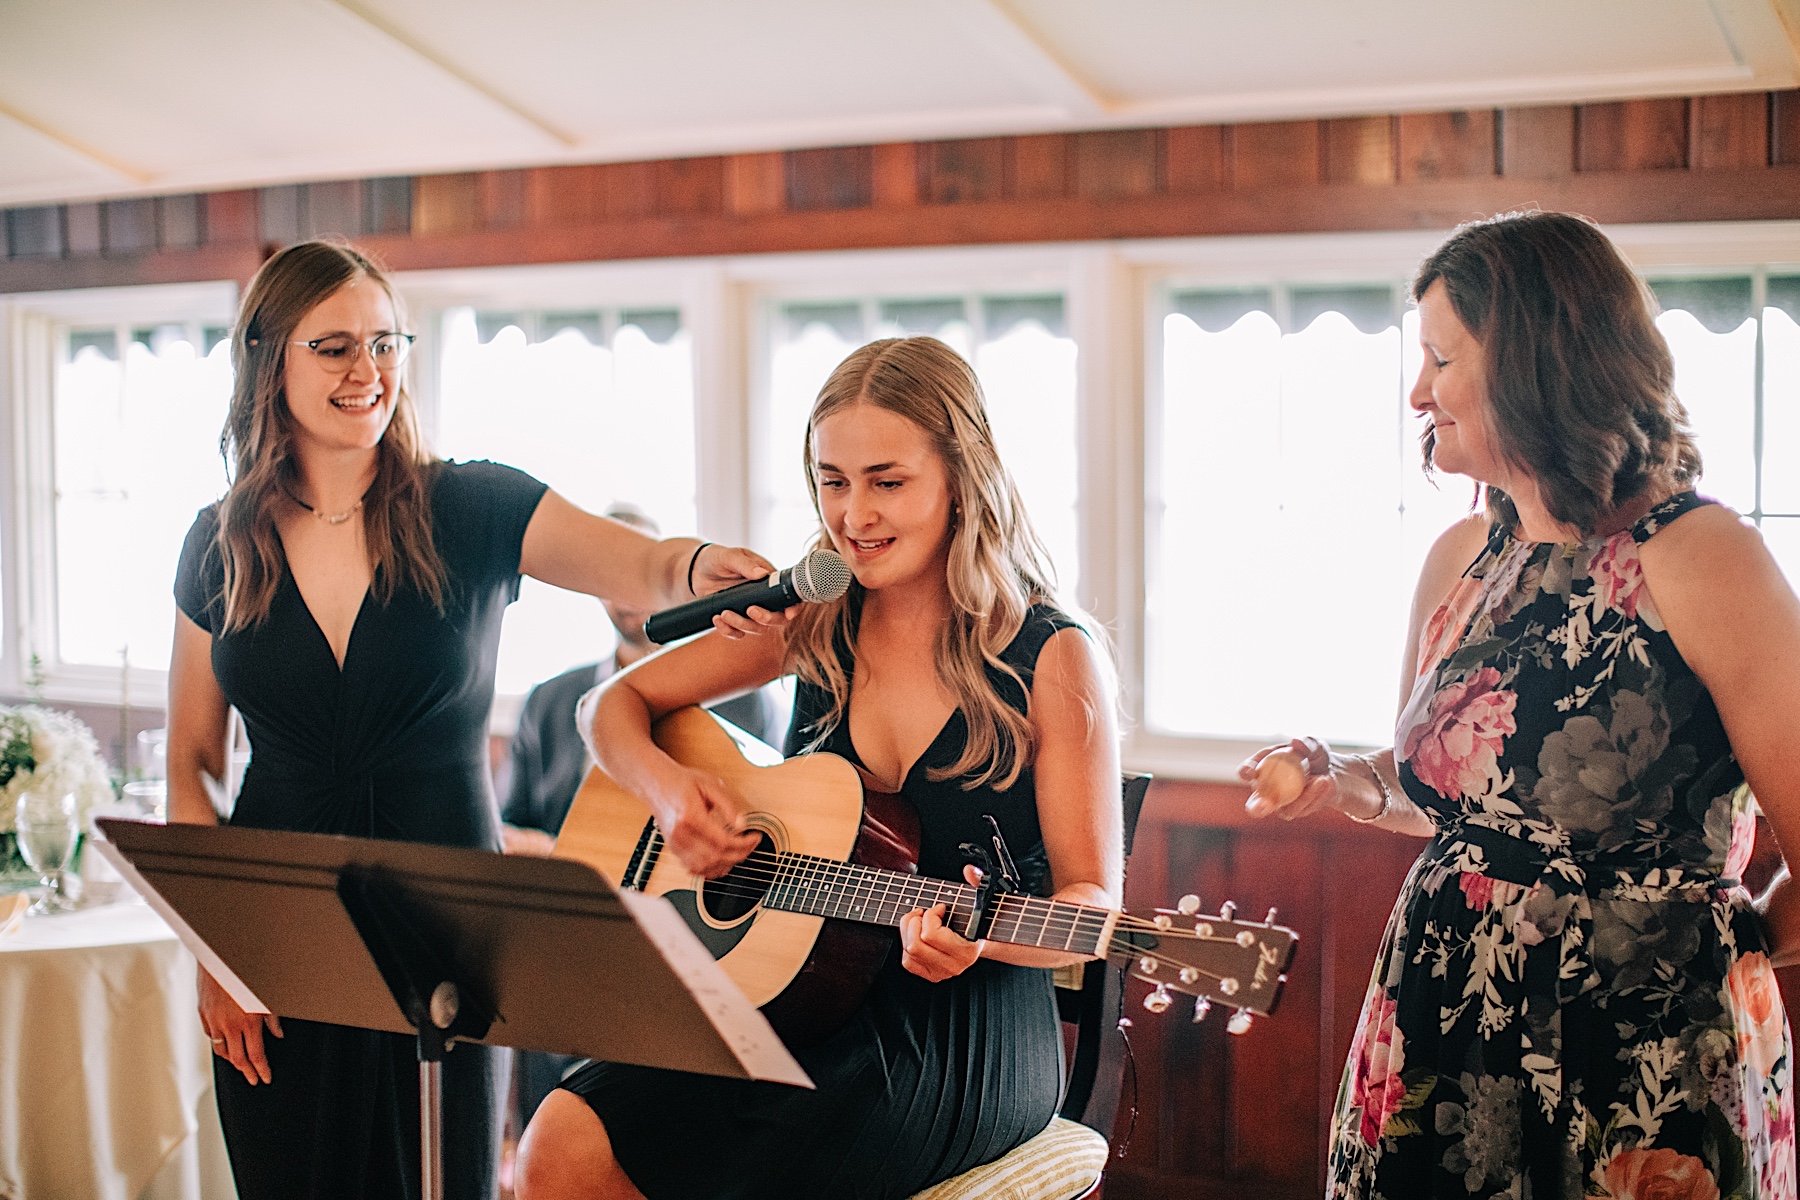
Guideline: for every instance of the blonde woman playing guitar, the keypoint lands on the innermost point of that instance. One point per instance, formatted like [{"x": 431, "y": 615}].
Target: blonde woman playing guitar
[{"x": 947, "y": 675}]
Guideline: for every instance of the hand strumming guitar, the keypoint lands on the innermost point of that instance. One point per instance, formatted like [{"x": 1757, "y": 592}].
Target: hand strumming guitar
[{"x": 701, "y": 817}]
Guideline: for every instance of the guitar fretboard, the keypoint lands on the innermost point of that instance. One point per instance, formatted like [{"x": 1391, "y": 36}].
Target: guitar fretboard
[{"x": 823, "y": 887}]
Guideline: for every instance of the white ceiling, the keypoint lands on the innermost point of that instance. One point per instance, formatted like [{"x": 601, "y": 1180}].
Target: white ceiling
[{"x": 119, "y": 97}]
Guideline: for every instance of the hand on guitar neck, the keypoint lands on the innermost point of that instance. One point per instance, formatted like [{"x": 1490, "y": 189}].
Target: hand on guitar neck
[{"x": 932, "y": 950}]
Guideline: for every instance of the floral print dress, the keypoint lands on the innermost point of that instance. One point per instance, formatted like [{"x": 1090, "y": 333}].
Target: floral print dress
[{"x": 1573, "y": 997}]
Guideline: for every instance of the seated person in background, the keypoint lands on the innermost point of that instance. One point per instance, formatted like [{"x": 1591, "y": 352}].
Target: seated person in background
[
  {"x": 947, "y": 674},
  {"x": 549, "y": 763},
  {"x": 547, "y": 757}
]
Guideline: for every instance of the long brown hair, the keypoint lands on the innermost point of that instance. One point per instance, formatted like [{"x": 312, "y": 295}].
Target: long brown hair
[
  {"x": 997, "y": 570},
  {"x": 1579, "y": 380},
  {"x": 258, "y": 443}
]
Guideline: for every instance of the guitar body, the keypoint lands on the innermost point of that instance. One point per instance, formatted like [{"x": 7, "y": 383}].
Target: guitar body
[{"x": 807, "y": 973}]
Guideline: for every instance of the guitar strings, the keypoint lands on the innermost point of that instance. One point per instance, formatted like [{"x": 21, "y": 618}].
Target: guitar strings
[
  {"x": 867, "y": 885},
  {"x": 870, "y": 886},
  {"x": 763, "y": 871},
  {"x": 768, "y": 866},
  {"x": 1050, "y": 920}
]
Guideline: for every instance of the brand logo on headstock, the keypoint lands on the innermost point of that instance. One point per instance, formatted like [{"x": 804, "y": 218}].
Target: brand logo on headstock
[{"x": 1268, "y": 962}]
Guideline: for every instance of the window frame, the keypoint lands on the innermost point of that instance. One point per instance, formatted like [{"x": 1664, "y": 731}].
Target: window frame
[{"x": 32, "y": 324}]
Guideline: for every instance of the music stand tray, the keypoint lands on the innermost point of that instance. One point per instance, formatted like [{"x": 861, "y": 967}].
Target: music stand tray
[{"x": 448, "y": 945}]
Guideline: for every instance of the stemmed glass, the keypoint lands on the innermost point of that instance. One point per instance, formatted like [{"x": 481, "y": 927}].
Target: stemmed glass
[{"x": 45, "y": 825}]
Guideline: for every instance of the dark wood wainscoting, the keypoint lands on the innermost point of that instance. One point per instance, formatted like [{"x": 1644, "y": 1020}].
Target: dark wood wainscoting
[{"x": 1247, "y": 1116}]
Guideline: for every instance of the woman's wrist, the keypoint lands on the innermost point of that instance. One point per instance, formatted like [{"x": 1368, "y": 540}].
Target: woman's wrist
[
  {"x": 694, "y": 561},
  {"x": 1382, "y": 793}
]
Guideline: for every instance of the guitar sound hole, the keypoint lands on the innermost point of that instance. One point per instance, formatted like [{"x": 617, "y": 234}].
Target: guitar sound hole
[{"x": 732, "y": 897}]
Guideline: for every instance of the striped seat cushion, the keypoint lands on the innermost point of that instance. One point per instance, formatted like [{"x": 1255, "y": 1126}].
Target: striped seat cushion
[{"x": 1061, "y": 1163}]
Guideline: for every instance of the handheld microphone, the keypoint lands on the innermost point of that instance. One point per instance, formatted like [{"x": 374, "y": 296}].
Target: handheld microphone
[{"x": 819, "y": 577}]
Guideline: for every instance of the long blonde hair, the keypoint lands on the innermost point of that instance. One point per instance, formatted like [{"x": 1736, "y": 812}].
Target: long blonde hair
[
  {"x": 997, "y": 569},
  {"x": 258, "y": 443}
]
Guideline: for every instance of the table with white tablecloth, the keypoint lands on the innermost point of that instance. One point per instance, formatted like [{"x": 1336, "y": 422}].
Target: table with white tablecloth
[{"x": 105, "y": 1075}]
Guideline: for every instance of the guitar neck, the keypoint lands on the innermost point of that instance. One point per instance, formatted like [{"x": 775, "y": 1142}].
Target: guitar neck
[{"x": 822, "y": 887}]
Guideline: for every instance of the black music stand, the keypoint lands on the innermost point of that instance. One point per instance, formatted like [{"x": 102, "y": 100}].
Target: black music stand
[{"x": 448, "y": 945}]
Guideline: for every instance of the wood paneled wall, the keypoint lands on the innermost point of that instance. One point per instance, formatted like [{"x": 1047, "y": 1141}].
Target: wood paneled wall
[
  {"x": 1223, "y": 1116},
  {"x": 1711, "y": 158}
]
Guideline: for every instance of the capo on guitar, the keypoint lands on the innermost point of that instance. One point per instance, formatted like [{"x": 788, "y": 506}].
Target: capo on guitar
[{"x": 999, "y": 877}]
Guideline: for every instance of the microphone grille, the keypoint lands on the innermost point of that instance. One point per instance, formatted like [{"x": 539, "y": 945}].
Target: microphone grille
[{"x": 821, "y": 576}]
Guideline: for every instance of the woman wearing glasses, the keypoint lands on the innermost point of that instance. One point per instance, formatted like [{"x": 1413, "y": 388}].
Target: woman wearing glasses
[{"x": 345, "y": 597}]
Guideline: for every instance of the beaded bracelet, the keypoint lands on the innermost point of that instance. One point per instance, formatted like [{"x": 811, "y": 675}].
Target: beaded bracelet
[
  {"x": 1387, "y": 797},
  {"x": 691, "y": 562}
]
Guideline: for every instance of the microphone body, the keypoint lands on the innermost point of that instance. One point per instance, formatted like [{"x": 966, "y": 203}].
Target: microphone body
[{"x": 819, "y": 577}]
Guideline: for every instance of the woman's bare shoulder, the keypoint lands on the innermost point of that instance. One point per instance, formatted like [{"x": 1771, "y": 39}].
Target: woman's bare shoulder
[{"x": 1452, "y": 552}]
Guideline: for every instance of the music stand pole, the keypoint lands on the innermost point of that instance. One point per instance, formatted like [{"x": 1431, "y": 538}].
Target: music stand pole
[{"x": 414, "y": 956}]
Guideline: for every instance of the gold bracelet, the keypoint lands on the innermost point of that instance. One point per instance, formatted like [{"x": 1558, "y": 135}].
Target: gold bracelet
[{"x": 1387, "y": 797}]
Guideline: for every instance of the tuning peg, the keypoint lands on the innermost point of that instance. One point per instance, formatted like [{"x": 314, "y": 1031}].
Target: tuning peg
[
  {"x": 1228, "y": 911},
  {"x": 1270, "y": 919},
  {"x": 1190, "y": 975},
  {"x": 1202, "y": 1006},
  {"x": 1146, "y": 965},
  {"x": 1162, "y": 921},
  {"x": 1240, "y": 1022},
  {"x": 1159, "y": 1000},
  {"x": 1229, "y": 985},
  {"x": 1188, "y": 905}
]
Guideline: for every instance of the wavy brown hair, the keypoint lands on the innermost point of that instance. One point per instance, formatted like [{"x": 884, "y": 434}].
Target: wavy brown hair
[
  {"x": 997, "y": 570},
  {"x": 1579, "y": 380},
  {"x": 258, "y": 443}
]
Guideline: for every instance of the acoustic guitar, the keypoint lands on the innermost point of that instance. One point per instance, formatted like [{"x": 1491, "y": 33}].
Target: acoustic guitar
[{"x": 799, "y": 924}]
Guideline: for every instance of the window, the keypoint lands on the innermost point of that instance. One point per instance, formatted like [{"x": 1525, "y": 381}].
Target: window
[
  {"x": 597, "y": 403},
  {"x": 1737, "y": 369},
  {"x": 116, "y": 464},
  {"x": 1287, "y": 517},
  {"x": 1021, "y": 350}
]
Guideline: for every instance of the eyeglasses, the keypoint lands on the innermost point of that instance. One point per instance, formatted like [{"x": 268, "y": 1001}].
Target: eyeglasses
[{"x": 338, "y": 353}]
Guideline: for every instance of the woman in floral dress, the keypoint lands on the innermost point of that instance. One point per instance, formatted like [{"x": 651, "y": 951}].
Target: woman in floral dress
[{"x": 1575, "y": 996}]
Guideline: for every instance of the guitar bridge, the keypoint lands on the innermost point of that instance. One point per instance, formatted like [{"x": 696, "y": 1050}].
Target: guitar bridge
[{"x": 643, "y": 858}]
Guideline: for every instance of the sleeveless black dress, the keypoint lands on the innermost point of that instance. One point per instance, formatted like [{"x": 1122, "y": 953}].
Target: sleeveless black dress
[
  {"x": 393, "y": 745},
  {"x": 926, "y": 1081}
]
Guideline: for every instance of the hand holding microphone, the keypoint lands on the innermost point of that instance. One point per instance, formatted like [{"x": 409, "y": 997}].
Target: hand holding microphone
[{"x": 820, "y": 577}]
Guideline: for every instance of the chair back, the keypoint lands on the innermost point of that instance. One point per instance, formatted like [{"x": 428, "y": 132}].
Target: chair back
[{"x": 1096, "y": 1070}]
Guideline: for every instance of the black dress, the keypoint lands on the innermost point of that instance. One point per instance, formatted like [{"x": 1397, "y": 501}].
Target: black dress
[
  {"x": 393, "y": 745},
  {"x": 926, "y": 1081}
]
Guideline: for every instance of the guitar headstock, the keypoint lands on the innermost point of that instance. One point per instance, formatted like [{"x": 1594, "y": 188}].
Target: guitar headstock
[{"x": 1213, "y": 958}]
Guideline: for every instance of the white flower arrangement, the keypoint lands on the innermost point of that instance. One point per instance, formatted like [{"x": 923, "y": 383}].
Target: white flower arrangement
[{"x": 41, "y": 748}]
